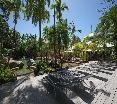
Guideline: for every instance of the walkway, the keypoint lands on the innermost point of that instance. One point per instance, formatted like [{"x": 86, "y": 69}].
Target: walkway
[
  {"x": 105, "y": 82},
  {"x": 30, "y": 90}
]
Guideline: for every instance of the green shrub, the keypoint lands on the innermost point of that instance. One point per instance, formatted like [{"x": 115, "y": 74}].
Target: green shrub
[
  {"x": 6, "y": 75},
  {"x": 41, "y": 68}
]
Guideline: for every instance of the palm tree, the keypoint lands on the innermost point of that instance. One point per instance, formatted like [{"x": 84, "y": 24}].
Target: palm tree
[
  {"x": 58, "y": 9},
  {"x": 36, "y": 10}
]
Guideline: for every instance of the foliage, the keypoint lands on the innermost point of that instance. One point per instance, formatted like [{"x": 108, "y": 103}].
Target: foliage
[
  {"x": 5, "y": 8},
  {"x": 75, "y": 39},
  {"x": 59, "y": 7},
  {"x": 93, "y": 47},
  {"x": 6, "y": 75},
  {"x": 72, "y": 31},
  {"x": 62, "y": 34},
  {"x": 8, "y": 40},
  {"x": 93, "y": 42},
  {"x": 79, "y": 48},
  {"x": 8, "y": 7},
  {"x": 41, "y": 68},
  {"x": 29, "y": 45},
  {"x": 107, "y": 28},
  {"x": 83, "y": 50},
  {"x": 36, "y": 10},
  {"x": 48, "y": 36},
  {"x": 62, "y": 40},
  {"x": 3, "y": 32}
]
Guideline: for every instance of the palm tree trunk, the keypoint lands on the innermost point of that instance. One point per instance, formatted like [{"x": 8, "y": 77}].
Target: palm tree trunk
[
  {"x": 1, "y": 50},
  {"x": 54, "y": 38},
  {"x": 14, "y": 29},
  {"x": 14, "y": 33},
  {"x": 60, "y": 56},
  {"x": 40, "y": 42},
  {"x": 60, "y": 46}
]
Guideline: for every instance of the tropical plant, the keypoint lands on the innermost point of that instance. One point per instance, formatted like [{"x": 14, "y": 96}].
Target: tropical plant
[
  {"x": 62, "y": 37},
  {"x": 75, "y": 39},
  {"x": 6, "y": 75},
  {"x": 58, "y": 7},
  {"x": 107, "y": 28},
  {"x": 36, "y": 10},
  {"x": 41, "y": 68},
  {"x": 28, "y": 46},
  {"x": 80, "y": 50},
  {"x": 8, "y": 41},
  {"x": 5, "y": 8}
]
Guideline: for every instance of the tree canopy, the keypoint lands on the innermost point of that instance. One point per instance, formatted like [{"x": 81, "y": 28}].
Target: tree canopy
[{"x": 107, "y": 28}]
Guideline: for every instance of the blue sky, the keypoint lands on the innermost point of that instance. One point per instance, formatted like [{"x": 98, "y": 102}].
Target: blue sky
[{"x": 82, "y": 12}]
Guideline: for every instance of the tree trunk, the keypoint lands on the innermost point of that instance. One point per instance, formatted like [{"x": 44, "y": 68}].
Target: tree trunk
[
  {"x": 46, "y": 56},
  {"x": 60, "y": 57},
  {"x": 14, "y": 32},
  {"x": 1, "y": 50},
  {"x": 59, "y": 50},
  {"x": 14, "y": 45},
  {"x": 40, "y": 42},
  {"x": 59, "y": 42},
  {"x": 55, "y": 39}
]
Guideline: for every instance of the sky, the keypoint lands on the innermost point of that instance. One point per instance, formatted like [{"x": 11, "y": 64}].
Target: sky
[{"x": 83, "y": 13}]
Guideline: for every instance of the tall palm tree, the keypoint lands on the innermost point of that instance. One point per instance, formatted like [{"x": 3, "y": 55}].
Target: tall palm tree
[
  {"x": 58, "y": 7},
  {"x": 37, "y": 11}
]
